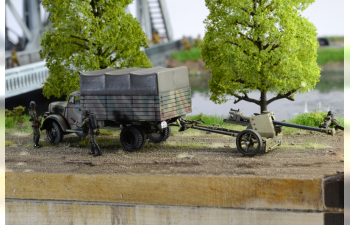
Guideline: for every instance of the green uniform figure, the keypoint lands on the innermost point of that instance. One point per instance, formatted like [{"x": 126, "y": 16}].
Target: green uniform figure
[
  {"x": 35, "y": 123},
  {"x": 331, "y": 120},
  {"x": 92, "y": 141}
]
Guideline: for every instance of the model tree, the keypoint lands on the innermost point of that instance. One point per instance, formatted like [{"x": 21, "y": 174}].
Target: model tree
[
  {"x": 263, "y": 45},
  {"x": 89, "y": 35}
]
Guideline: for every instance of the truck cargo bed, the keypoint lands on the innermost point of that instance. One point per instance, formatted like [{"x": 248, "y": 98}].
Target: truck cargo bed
[
  {"x": 135, "y": 94},
  {"x": 137, "y": 108}
]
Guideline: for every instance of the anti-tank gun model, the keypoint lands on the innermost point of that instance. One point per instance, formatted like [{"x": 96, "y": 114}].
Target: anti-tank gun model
[{"x": 262, "y": 133}]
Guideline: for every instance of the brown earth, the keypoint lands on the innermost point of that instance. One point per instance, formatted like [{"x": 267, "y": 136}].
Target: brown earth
[
  {"x": 193, "y": 66},
  {"x": 302, "y": 156}
]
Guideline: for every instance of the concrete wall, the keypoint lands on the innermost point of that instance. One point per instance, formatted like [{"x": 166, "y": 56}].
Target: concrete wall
[{"x": 71, "y": 212}]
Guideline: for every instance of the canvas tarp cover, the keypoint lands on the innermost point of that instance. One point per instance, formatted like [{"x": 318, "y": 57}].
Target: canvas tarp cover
[{"x": 133, "y": 81}]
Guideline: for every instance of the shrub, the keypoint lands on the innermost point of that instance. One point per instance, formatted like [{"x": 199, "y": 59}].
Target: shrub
[
  {"x": 313, "y": 119},
  {"x": 14, "y": 117}
]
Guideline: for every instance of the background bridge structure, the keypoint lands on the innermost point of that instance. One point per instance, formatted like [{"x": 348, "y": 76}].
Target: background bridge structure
[
  {"x": 23, "y": 79},
  {"x": 152, "y": 15}
]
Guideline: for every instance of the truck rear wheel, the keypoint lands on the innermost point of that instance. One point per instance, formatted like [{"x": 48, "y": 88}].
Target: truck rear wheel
[
  {"x": 54, "y": 133},
  {"x": 131, "y": 138},
  {"x": 161, "y": 136},
  {"x": 144, "y": 137}
]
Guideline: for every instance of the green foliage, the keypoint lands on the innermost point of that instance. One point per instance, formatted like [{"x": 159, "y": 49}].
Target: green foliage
[
  {"x": 89, "y": 35},
  {"x": 259, "y": 44},
  {"x": 193, "y": 54},
  {"x": 209, "y": 120},
  {"x": 330, "y": 55},
  {"x": 312, "y": 119},
  {"x": 14, "y": 117}
]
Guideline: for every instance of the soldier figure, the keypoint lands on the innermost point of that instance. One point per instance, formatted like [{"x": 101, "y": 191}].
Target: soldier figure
[
  {"x": 14, "y": 58},
  {"x": 92, "y": 142},
  {"x": 35, "y": 123},
  {"x": 331, "y": 120}
]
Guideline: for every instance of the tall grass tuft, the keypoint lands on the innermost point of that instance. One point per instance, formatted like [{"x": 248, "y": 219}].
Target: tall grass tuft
[
  {"x": 16, "y": 122},
  {"x": 14, "y": 117},
  {"x": 312, "y": 119}
]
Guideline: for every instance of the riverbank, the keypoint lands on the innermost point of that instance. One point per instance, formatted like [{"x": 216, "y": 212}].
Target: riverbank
[
  {"x": 195, "y": 67},
  {"x": 330, "y": 58}
]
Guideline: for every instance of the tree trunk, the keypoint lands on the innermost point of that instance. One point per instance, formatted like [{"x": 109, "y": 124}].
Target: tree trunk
[{"x": 263, "y": 102}]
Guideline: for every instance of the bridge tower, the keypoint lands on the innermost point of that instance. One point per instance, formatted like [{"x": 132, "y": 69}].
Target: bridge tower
[
  {"x": 153, "y": 16},
  {"x": 31, "y": 24}
]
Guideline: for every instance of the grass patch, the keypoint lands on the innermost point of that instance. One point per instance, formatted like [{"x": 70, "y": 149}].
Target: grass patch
[
  {"x": 209, "y": 121},
  {"x": 303, "y": 147},
  {"x": 193, "y": 54},
  {"x": 184, "y": 155},
  {"x": 110, "y": 132},
  {"x": 16, "y": 122},
  {"x": 330, "y": 55},
  {"x": 9, "y": 143},
  {"x": 312, "y": 119},
  {"x": 324, "y": 54},
  {"x": 338, "y": 39},
  {"x": 181, "y": 144}
]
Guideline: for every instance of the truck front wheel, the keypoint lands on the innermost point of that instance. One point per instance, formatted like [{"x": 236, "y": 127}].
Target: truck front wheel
[
  {"x": 131, "y": 138},
  {"x": 54, "y": 133}
]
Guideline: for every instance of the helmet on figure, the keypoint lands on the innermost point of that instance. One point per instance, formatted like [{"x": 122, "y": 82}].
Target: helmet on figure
[
  {"x": 32, "y": 104},
  {"x": 86, "y": 112}
]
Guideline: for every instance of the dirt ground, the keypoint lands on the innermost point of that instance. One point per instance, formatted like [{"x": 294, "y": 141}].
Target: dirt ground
[{"x": 300, "y": 156}]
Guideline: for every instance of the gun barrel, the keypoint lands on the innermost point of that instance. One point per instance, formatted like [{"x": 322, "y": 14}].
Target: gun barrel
[{"x": 296, "y": 126}]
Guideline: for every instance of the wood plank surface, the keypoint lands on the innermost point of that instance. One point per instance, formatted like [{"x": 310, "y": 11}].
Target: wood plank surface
[{"x": 236, "y": 192}]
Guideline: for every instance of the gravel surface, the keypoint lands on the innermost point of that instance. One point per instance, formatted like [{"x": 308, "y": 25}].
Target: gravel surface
[{"x": 303, "y": 156}]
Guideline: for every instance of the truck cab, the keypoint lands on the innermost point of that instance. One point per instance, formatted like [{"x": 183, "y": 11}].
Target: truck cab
[{"x": 74, "y": 109}]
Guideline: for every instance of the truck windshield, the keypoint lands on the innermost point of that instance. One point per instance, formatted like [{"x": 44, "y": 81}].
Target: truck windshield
[
  {"x": 77, "y": 99},
  {"x": 71, "y": 99}
]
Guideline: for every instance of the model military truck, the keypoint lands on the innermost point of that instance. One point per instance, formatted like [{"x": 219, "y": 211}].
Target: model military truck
[{"x": 141, "y": 102}]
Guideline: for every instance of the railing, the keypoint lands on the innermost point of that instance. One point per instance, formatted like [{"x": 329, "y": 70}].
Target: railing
[
  {"x": 24, "y": 57},
  {"x": 24, "y": 79}
]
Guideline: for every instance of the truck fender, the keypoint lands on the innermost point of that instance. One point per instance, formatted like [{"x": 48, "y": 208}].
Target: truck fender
[{"x": 61, "y": 121}]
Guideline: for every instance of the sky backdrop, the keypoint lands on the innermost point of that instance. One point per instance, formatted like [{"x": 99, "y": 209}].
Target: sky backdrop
[{"x": 187, "y": 16}]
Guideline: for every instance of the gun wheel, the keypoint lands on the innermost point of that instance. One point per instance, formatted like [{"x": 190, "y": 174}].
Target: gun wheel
[{"x": 249, "y": 142}]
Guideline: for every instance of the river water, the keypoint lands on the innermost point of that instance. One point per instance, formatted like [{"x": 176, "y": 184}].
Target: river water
[{"x": 328, "y": 95}]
